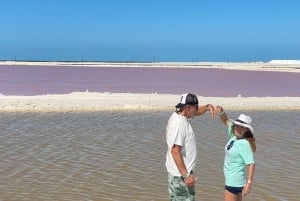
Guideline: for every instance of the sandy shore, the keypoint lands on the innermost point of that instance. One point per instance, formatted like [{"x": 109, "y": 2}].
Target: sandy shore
[{"x": 85, "y": 101}]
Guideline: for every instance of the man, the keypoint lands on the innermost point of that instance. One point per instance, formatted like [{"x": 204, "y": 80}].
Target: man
[{"x": 181, "y": 154}]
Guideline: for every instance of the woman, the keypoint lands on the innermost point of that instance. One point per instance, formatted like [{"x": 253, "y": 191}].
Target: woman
[{"x": 238, "y": 154}]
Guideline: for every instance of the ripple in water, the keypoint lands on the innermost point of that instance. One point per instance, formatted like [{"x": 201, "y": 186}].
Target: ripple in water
[{"x": 120, "y": 156}]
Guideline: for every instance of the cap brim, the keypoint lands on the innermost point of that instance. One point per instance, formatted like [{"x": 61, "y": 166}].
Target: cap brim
[
  {"x": 179, "y": 105},
  {"x": 242, "y": 124}
]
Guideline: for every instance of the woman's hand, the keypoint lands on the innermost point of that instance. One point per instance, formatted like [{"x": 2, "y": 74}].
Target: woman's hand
[
  {"x": 219, "y": 109},
  {"x": 247, "y": 189}
]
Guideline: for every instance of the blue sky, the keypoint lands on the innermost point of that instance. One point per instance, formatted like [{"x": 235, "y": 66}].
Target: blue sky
[{"x": 150, "y": 30}]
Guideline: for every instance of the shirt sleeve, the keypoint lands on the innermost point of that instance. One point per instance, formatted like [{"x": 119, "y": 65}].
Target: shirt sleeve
[
  {"x": 176, "y": 135},
  {"x": 246, "y": 153}
]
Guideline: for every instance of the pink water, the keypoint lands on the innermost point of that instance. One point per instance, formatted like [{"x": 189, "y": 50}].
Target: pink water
[{"x": 36, "y": 80}]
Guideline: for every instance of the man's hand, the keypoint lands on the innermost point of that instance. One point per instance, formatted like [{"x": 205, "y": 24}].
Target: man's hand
[
  {"x": 212, "y": 110},
  {"x": 204, "y": 108},
  {"x": 190, "y": 180}
]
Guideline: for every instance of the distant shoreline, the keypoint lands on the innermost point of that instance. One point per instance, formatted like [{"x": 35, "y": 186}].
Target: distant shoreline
[
  {"x": 86, "y": 101},
  {"x": 250, "y": 66}
]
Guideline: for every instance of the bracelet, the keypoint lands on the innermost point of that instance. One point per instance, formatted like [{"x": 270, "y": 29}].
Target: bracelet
[
  {"x": 186, "y": 176},
  {"x": 249, "y": 181},
  {"x": 220, "y": 113}
]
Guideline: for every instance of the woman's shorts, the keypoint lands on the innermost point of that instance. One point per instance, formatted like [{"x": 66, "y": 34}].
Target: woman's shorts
[{"x": 234, "y": 190}]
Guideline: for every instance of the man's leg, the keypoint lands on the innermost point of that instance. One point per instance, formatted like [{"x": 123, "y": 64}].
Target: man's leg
[{"x": 178, "y": 190}]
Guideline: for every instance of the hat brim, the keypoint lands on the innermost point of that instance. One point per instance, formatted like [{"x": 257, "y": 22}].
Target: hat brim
[
  {"x": 180, "y": 105},
  {"x": 242, "y": 124}
]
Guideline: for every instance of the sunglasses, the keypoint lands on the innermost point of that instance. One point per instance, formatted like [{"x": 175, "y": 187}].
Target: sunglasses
[{"x": 230, "y": 145}]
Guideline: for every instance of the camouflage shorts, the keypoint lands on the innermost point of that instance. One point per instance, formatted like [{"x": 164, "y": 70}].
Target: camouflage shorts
[{"x": 178, "y": 190}]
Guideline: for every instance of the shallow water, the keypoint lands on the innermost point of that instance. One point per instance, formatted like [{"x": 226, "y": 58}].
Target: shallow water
[{"x": 120, "y": 156}]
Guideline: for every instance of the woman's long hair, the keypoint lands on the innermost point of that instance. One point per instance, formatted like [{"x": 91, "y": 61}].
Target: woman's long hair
[{"x": 251, "y": 139}]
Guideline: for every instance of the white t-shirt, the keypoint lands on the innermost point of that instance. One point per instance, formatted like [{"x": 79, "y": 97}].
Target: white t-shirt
[{"x": 180, "y": 132}]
